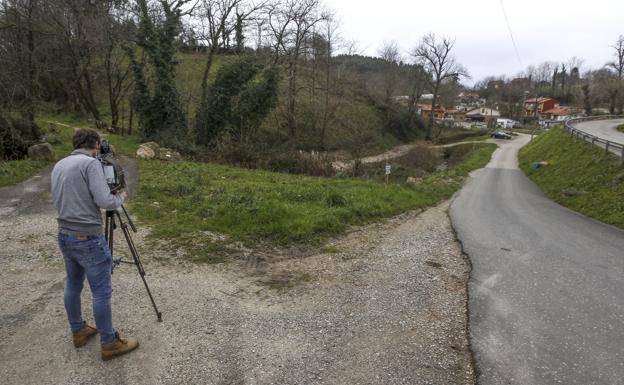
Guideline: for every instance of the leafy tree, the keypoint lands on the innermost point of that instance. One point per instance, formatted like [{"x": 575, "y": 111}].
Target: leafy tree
[
  {"x": 158, "y": 105},
  {"x": 215, "y": 111},
  {"x": 254, "y": 103}
]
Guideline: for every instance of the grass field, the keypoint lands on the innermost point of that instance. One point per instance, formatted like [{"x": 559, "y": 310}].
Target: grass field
[
  {"x": 16, "y": 171},
  {"x": 188, "y": 203},
  {"x": 580, "y": 176}
]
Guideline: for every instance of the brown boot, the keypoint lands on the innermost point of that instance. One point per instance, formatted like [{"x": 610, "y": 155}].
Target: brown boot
[
  {"x": 81, "y": 337},
  {"x": 118, "y": 347}
]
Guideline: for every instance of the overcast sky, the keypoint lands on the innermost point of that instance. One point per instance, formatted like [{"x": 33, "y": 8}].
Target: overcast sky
[{"x": 544, "y": 30}]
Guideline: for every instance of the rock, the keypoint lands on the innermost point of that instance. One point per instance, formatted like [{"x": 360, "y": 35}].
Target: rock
[
  {"x": 43, "y": 151},
  {"x": 153, "y": 145},
  {"x": 573, "y": 193},
  {"x": 538, "y": 165},
  {"x": 168, "y": 154},
  {"x": 412, "y": 180},
  {"x": 145, "y": 153}
]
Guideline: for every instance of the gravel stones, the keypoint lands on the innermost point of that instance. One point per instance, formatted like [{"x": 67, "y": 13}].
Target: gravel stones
[{"x": 386, "y": 306}]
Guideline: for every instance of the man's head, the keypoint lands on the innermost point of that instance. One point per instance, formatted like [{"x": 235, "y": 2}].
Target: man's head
[{"x": 86, "y": 139}]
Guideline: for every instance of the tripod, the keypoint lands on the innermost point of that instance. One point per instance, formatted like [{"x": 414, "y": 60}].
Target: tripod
[{"x": 112, "y": 219}]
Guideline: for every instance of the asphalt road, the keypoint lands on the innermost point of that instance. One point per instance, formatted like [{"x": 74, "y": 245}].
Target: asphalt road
[
  {"x": 546, "y": 291},
  {"x": 604, "y": 129}
]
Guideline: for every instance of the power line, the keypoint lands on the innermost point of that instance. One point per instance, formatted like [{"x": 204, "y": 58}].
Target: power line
[{"x": 513, "y": 40}]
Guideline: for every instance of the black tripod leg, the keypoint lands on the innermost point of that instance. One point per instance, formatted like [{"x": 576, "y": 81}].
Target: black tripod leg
[
  {"x": 109, "y": 230},
  {"x": 139, "y": 265}
]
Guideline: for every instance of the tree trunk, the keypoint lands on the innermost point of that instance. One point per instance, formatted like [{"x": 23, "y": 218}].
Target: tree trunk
[
  {"x": 327, "y": 87},
  {"x": 130, "y": 120},
  {"x": 292, "y": 95},
  {"x": 433, "y": 107},
  {"x": 30, "y": 107},
  {"x": 206, "y": 74}
]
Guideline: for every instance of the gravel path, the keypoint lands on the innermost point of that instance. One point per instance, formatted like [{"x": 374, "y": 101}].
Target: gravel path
[{"x": 387, "y": 306}]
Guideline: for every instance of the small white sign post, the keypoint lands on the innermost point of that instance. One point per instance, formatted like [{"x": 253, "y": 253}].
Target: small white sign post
[{"x": 388, "y": 171}]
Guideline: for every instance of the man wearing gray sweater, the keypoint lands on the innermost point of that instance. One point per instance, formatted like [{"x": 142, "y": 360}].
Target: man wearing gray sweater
[{"x": 79, "y": 192}]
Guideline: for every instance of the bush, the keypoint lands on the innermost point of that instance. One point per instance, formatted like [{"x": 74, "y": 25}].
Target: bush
[
  {"x": 15, "y": 138},
  {"x": 459, "y": 136},
  {"x": 299, "y": 162},
  {"x": 236, "y": 153},
  {"x": 422, "y": 157},
  {"x": 401, "y": 125}
]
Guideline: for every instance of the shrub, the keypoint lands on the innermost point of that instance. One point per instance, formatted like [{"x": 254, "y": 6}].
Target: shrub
[
  {"x": 15, "y": 138},
  {"x": 422, "y": 157},
  {"x": 299, "y": 162}
]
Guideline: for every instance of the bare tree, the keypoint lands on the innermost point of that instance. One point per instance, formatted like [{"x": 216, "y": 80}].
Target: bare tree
[
  {"x": 618, "y": 66},
  {"x": 117, "y": 68},
  {"x": 290, "y": 23},
  {"x": 389, "y": 52},
  {"x": 216, "y": 17},
  {"x": 435, "y": 57},
  {"x": 18, "y": 49},
  {"x": 330, "y": 36}
]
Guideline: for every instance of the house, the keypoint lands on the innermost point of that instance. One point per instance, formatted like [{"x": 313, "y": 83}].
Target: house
[
  {"x": 560, "y": 113},
  {"x": 507, "y": 123},
  {"x": 470, "y": 99},
  {"x": 402, "y": 100},
  {"x": 456, "y": 115},
  {"x": 425, "y": 111},
  {"x": 483, "y": 114},
  {"x": 542, "y": 104}
]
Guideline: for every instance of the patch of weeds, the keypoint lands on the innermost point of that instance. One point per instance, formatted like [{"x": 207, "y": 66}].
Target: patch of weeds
[
  {"x": 286, "y": 280},
  {"x": 330, "y": 250}
]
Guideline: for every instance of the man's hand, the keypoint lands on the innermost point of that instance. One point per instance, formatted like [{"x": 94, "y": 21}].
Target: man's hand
[{"x": 124, "y": 196}]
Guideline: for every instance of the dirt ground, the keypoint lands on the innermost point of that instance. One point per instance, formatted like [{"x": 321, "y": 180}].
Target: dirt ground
[{"x": 384, "y": 304}]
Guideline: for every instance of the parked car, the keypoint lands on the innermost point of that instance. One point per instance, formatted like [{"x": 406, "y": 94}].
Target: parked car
[{"x": 500, "y": 135}]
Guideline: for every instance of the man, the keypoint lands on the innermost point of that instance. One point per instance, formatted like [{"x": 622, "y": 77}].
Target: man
[{"x": 79, "y": 191}]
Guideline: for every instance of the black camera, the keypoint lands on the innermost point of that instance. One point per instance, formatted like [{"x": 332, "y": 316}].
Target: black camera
[{"x": 113, "y": 172}]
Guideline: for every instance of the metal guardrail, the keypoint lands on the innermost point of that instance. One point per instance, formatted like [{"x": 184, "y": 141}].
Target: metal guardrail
[{"x": 609, "y": 146}]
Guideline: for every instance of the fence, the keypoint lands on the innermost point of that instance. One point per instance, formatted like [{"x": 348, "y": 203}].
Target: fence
[{"x": 609, "y": 146}]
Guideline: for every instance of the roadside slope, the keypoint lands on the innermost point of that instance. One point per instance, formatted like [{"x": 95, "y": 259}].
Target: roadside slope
[{"x": 578, "y": 175}]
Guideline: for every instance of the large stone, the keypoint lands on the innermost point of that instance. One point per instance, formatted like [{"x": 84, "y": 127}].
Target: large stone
[
  {"x": 153, "y": 145},
  {"x": 145, "y": 153},
  {"x": 168, "y": 154},
  {"x": 413, "y": 181},
  {"x": 43, "y": 151}
]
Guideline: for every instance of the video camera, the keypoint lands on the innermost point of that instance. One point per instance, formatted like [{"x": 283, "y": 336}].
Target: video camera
[{"x": 113, "y": 172}]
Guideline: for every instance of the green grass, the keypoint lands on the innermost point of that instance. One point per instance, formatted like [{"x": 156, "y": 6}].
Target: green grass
[
  {"x": 187, "y": 203},
  {"x": 620, "y": 128},
  {"x": 16, "y": 171},
  {"x": 580, "y": 176}
]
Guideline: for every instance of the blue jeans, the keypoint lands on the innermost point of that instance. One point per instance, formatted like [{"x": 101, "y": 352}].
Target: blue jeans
[{"x": 88, "y": 256}]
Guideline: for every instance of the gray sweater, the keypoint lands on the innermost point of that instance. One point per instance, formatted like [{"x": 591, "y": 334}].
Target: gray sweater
[{"x": 79, "y": 190}]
